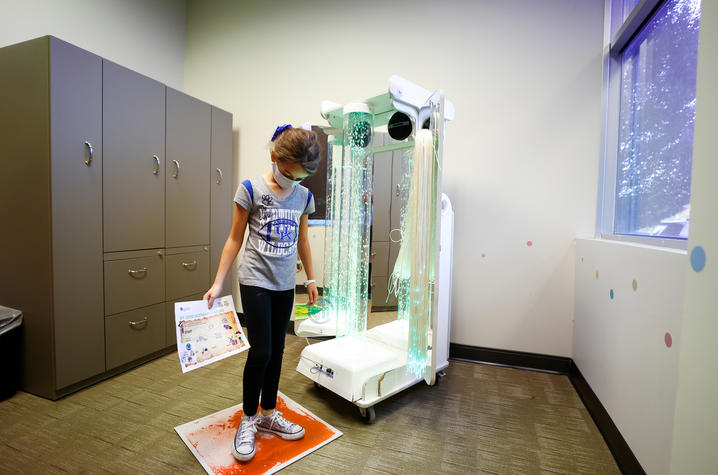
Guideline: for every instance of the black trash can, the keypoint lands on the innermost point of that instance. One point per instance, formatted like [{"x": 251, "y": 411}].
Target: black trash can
[{"x": 10, "y": 351}]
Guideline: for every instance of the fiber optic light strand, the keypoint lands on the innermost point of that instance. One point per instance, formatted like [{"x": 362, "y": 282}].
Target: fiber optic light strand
[{"x": 413, "y": 277}]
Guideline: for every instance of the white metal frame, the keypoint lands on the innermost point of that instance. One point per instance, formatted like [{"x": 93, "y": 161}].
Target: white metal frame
[{"x": 419, "y": 104}]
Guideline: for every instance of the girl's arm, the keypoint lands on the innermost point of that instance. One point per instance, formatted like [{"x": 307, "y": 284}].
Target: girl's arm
[
  {"x": 305, "y": 255},
  {"x": 229, "y": 253}
]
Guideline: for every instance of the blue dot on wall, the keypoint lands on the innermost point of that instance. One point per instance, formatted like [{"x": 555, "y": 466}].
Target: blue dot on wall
[
  {"x": 611, "y": 294},
  {"x": 698, "y": 258}
]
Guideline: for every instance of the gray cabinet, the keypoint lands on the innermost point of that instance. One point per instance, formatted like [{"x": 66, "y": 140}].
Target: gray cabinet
[
  {"x": 222, "y": 191},
  {"x": 386, "y": 221},
  {"x": 187, "y": 170},
  {"x": 381, "y": 210},
  {"x": 83, "y": 182},
  {"x": 50, "y": 187},
  {"x": 134, "y": 153}
]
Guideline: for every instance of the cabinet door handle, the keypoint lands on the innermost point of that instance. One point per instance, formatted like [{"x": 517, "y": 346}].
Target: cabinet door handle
[
  {"x": 177, "y": 167},
  {"x": 372, "y": 285},
  {"x": 190, "y": 265},
  {"x": 398, "y": 189},
  {"x": 373, "y": 254},
  {"x": 220, "y": 176},
  {"x": 138, "y": 273},
  {"x": 139, "y": 325},
  {"x": 156, "y": 167},
  {"x": 90, "y": 153}
]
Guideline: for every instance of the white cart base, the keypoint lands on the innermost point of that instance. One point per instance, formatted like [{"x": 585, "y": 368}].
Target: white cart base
[{"x": 363, "y": 369}]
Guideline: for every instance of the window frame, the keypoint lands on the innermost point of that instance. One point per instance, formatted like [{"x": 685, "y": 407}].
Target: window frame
[{"x": 611, "y": 104}]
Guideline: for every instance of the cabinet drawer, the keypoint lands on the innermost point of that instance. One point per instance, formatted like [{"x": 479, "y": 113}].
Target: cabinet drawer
[
  {"x": 133, "y": 283},
  {"x": 134, "y": 334},
  {"x": 187, "y": 273}
]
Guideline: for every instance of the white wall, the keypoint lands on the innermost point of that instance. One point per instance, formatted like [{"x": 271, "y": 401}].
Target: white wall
[
  {"x": 619, "y": 342},
  {"x": 696, "y": 418},
  {"x": 521, "y": 157},
  {"x": 661, "y": 398},
  {"x": 145, "y": 35}
]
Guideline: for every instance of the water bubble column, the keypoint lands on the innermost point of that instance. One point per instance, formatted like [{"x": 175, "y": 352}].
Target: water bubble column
[{"x": 349, "y": 192}]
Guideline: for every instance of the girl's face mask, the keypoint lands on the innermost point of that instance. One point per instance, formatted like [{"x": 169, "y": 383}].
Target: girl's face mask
[{"x": 282, "y": 180}]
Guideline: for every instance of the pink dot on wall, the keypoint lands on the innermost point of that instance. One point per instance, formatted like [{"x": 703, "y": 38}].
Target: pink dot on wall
[
  {"x": 668, "y": 339},
  {"x": 529, "y": 243}
]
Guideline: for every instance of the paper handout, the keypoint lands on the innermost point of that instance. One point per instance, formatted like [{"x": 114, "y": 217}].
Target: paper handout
[{"x": 207, "y": 335}]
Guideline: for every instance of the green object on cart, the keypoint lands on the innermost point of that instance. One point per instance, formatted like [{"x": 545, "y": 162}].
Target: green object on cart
[{"x": 303, "y": 311}]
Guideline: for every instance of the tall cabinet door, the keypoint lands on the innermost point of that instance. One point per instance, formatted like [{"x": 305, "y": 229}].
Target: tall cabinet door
[
  {"x": 381, "y": 208},
  {"x": 134, "y": 152},
  {"x": 187, "y": 170},
  {"x": 397, "y": 198},
  {"x": 221, "y": 204},
  {"x": 76, "y": 151}
]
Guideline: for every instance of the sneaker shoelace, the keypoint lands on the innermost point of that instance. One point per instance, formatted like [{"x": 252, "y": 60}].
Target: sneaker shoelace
[
  {"x": 247, "y": 430},
  {"x": 276, "y": 420}
]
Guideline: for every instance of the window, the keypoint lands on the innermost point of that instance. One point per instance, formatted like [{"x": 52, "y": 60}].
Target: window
[{"x": 653, "y": 89}]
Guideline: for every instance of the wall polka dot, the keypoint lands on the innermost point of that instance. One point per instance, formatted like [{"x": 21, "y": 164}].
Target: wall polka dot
[
  {"x": 483, "y": 255},
  {"x": 529, "y": 243},
  {"x": 611, "y": 294},
  {"x": 596, "y": 275},
  {"x": 635, "y": 285},
  {"x": 698, "y": 258},
  {"x": 668, "y": 339}
]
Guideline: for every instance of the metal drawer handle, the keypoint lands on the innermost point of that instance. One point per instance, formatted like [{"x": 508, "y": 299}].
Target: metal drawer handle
[
  {"x": 190, "y": 265},
  {"x": 139, "y": 325},
  {"x": 156, "y": 167},
  {"x": 220, "y": 176},
  {"x": 398, "y": 189},
  {"x": 177, "y": 167},
  {"x": 90, "y": 152},
  {"x": 138, "y": 273}
]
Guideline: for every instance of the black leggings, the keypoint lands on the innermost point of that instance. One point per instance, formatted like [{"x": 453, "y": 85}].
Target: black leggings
[{"x": 267, "y": 314}]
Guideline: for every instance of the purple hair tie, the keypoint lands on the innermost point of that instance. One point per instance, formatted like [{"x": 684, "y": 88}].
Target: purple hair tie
[{"x": 279, "y": 130}]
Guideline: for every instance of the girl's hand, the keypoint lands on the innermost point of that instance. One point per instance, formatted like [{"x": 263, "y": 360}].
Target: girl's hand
[
  {"x": 313, "y": 294},
  {"x": 213, "y": 293}
]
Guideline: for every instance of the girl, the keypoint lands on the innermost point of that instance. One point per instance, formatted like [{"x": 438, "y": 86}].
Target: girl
[{"x": 275, "y": 206}]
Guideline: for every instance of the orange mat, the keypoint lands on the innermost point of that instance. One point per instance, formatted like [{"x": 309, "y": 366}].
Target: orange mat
[{"x": 210, "y": 439}]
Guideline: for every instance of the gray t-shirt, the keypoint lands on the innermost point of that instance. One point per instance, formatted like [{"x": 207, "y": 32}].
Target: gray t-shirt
[{"x": 270, "y": 255}]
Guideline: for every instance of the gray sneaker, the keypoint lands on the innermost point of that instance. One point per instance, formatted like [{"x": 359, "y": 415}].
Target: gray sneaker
[
  {"x": 279, "y": 426},
  {"x": 243, "y": 446}
]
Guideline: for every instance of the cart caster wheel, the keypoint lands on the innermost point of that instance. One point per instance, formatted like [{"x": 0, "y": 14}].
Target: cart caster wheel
[{"x": 368, "y": 414}]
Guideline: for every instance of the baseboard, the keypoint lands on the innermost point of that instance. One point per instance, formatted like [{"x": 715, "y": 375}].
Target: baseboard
[
  {"x": 515, "y": 359},
  {"x": 621, "y": 451}
]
